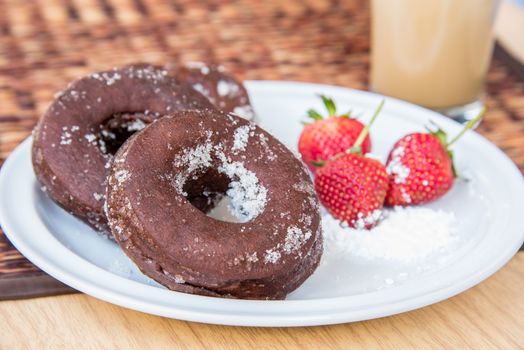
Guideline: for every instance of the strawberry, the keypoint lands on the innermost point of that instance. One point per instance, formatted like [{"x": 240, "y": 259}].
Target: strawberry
[
  {"x": 353, "y": 187},
  {"x": 420, "y": 167},
  {"x": 326, "y": 137}
]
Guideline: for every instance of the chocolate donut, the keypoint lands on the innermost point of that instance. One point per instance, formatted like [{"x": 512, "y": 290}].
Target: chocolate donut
[
  {"x": 159, "y": 171},
  {"x": 75, "y": 139},
  {"x": 221, "y": 88}
]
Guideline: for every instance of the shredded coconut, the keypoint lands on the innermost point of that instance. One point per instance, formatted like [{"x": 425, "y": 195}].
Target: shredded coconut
[{"x": 405, "y": 235}]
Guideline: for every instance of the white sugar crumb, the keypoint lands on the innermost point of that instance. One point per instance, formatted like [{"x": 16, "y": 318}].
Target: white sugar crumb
[
  {"x": 272, "y": 256},
  {"x": 192, "y": 159},
  {"x": 195, "y": 158},
  {"x": 241, "y": 137},
  {"x": 90, "y": 137},
  {"x": 204, "y": 69},
  {"x": 248, "y": 197},
  {"x": 252, "y": 257},
  {"x": 109, "y": 78},
  {"x": 226, "y": 88},
  {"x": 136, "y": 125},
  {"x": 405, "y": 235},
  {"x": 200, "y": 88},
  {"x": 179, "y": 279},
  {"x": 245, "y": 112},
  {"x": 295, "y": 238},
  {"x": 264, "y": 142},
  {"x": 369, "y": 220},
  {"x": 121, "y": 176},
  {"x": 98, "y": 196},
  {"x": 305, "y": 187},
  {"x": 405, "y": 196},
  {"x": 395, "y": 167},
  {"x": 65, "y": 138}
]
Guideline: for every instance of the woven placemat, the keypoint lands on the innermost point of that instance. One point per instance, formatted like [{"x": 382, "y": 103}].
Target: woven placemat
[{"x": 44, "y": 44}]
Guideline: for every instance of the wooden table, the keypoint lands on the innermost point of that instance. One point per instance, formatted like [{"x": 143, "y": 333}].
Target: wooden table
[{"x": 489, "y": 316}]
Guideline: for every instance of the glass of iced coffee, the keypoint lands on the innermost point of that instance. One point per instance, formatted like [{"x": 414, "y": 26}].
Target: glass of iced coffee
[{"x": 434, "y": 53}]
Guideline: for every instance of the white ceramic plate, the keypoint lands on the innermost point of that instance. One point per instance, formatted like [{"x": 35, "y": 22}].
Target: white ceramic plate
[{"x": 343, "y": 289}]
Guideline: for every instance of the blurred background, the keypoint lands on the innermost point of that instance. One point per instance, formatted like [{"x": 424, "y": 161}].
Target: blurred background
[{"x": 46, "y": 43}]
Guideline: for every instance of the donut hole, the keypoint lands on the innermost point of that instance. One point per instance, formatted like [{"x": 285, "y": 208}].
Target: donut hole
[
  {"x": 205, "y": 190},
  {"x": 119, "y": 127},
  {"x": 221, "y": 196}
]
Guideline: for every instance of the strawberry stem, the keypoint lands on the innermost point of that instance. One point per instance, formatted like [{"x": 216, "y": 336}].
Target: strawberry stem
[
  {"x": 361, "y": 137},
  {"x": 330, "y": 105},
  {"x": 314, "y": 114},
  {"x": 468, "y": 126}
]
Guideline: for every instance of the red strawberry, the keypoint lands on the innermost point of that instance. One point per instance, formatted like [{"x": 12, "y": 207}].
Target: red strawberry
[
  {"x": 326, "y": 137},
  {"x": 353, "y": 187},
  {"x": 420, "y": 167}
]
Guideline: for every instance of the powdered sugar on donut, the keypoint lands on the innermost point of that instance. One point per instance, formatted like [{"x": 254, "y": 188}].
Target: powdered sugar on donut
[
  {"x": 248, "y": 196},
  {"x": 241, "y": 137}
]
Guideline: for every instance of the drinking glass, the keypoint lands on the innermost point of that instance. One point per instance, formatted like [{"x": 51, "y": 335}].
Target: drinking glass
[{"x": 434, "y": 53}]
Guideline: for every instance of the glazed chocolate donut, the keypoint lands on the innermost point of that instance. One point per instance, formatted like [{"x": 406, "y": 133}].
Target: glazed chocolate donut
[
  {"x": 75, "y": 139},
  {"x": 222, "y": 89},
  {"x": 159, "y": 170}
]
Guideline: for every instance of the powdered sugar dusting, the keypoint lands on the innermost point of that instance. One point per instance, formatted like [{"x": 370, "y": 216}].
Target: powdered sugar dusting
[
  {"x": 241, "y": 137},
  {"x": 405, "y": 235},
  {"x": 295, "y": 238},
  {"x": 395, "y": 167},
  {"x": 272, "y": 256},
  {"x": 369, "y": 220},
  {"x": 90, "y": 137},
  {"x": 135, "y": 125},
  {"x": 192, "y": 159},
  {"x": 122, "y": 176},
  {"x": 248, "y": 196},
  {"x": 66, "y": 137},
  {"x": 109, "y": 78}
]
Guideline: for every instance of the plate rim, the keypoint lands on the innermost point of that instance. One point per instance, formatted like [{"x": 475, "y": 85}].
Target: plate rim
[{"x": 299, "y": 319}]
